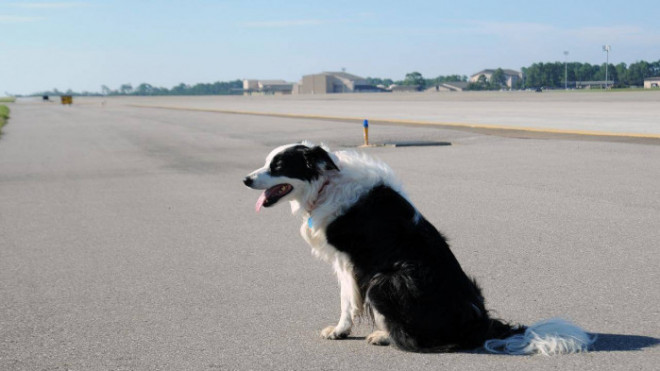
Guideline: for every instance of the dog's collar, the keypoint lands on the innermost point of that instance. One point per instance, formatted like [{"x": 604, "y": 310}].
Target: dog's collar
[{"x": 312, "y": 205}]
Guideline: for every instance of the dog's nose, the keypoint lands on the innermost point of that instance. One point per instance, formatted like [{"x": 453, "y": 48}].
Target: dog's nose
[{"x": 247, "y": 181}]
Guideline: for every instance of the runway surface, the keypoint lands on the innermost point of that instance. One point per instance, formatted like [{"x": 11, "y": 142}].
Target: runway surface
[
  {"x": 604, "y": 113},
  {"x": 128, "y": 242}
]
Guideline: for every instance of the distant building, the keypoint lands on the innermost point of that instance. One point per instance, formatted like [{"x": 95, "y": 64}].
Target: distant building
[
  {"x": 651, "y": 82},
  {"x": 448, "y": 86},
  {"x": 602, "y": 84},
  {"x": 334, "y": 82},
  {"x": 511, "y": 77},
  {"x": 267, "y": 87},
  {"x": 404, "y": 88}
]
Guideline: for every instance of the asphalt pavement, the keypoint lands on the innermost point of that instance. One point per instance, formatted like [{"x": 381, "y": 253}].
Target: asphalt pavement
[
  {"x": 632, "y": 113},
  {"x": 128, "y": 242}
]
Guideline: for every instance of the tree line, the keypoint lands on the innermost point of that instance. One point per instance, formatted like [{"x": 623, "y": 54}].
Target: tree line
[
  {"x": 538, "y": 75},
  {"x": 544, "y": 75},
  {"x": 622, "y": 76},
  {"x": 216, "y": 88}
]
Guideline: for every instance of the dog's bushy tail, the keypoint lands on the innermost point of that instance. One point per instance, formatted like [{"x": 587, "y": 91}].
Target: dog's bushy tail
[{"x": 549, "y": 337}]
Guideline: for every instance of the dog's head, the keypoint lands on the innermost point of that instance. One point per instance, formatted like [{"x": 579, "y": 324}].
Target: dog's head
[{"x": 290, "y": 172}]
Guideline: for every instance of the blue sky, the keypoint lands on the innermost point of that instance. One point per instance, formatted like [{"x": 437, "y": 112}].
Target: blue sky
[{"x": 82, "y": 45}]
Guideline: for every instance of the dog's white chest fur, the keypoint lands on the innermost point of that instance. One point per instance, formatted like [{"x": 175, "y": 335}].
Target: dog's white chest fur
[{"x": 315, "y": 237}]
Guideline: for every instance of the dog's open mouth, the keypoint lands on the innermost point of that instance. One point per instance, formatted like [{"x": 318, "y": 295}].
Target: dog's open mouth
[{"x": 272, "y": 195}]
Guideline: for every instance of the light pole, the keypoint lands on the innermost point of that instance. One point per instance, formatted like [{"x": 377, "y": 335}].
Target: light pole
[
  {"x": 606, "y": 49},
  {"x": 565, "y": 70}
]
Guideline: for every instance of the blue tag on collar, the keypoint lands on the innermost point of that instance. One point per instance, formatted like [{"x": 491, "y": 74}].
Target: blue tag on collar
[{"x": 309, "y": 222}]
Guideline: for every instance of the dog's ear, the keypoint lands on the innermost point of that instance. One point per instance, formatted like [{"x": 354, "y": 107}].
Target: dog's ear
[{"x": 317, "y": 157}]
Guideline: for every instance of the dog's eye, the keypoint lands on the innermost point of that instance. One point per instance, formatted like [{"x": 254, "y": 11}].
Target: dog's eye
[{"x": 275, "y": 166}]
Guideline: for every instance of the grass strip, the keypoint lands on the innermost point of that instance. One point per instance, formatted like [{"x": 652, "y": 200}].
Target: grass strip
[
  {"x": 4, "y": 115},
  {"x": 7, "y": 99}
]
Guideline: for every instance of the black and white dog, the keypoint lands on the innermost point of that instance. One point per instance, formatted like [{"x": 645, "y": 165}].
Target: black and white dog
[{"x": 392, "y": 264}]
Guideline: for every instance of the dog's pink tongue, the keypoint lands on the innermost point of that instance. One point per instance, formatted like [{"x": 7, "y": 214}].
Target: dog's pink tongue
[{"x": 260, "y": 201}]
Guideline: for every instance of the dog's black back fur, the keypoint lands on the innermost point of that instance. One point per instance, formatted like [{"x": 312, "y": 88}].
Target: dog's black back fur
[{"x": 406, "y": 272}]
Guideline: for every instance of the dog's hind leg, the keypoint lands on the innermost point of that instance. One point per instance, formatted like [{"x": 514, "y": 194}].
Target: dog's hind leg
[
  {"x": 381, "y": 336},
  {"x": 351, "y": 302},
  {"x": 391, "y": 299}
]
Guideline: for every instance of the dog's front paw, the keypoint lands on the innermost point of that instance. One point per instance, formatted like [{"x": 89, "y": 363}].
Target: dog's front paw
[{"x": 334, "y": 333}]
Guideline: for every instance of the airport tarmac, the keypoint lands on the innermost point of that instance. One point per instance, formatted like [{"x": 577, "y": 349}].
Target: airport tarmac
[
  {"x": 593, "y": 112},
  {"x": 128, "y": 241}
]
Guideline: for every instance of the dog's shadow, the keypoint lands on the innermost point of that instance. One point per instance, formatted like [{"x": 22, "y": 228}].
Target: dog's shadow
[
  {"x": 604, "y": 343},
  {"x": 623, "y": 343}
]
